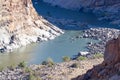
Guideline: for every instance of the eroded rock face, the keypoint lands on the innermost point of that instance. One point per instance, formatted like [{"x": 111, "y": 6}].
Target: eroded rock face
[
  {"x": 21, "y": 25},
  {"x": 112, "y": 51},
  {"x": 110, "y": 68},
  {"x": 105, "y": 9},
  {"x": 82, "y": 3}
]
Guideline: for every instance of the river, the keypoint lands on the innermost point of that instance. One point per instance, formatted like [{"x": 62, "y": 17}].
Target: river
[{"x": 65, "y": 45}]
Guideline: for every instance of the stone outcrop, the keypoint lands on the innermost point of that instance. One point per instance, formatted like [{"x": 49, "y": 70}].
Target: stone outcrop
[
  {"x": 112, "y": 52},
  {"x": 110, "y": 68},
  {"x": 105, "y": 9},
  {"x": 21, "y": 25}
]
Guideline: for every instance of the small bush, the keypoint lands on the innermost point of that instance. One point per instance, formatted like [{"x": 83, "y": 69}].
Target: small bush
[
  {"x": 44, "y": 63},
  {"x": 1, "y": 68},
  {"x": 81, "y": 58},
  {"x": 22, "y": 64},
  {"x": 49, "y": 77},
  {"x": 28, "y": 70},
  {"x": 31, "y": 77},
  {"x": 75, "y": 65},
  {"x": 38, "y": 78},
  {"x": 12, "y": 67},
  {"x": 49, "y": 62},
  {"x": 66, "y": 58},
  {"x": 98, "y": 55}
]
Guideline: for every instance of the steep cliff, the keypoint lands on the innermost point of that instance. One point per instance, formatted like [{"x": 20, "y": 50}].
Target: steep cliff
[
  {"x": 105, "y": 9},
  {"x": 110, "y": 68},
  {"x": 21, "y": 25}
]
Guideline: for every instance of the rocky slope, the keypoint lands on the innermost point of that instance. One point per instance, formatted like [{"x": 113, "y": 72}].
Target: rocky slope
[
  {"x": 105, "y": 9},
  {"x": 58, "y": 71},
  {"x": 21, "y": 25},
  {"x": 110, "y": 68}
]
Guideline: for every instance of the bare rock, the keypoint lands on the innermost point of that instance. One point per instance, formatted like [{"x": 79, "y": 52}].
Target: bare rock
[
  {"x": 19, "y": 18},
  {"x": 105, "y": 9},
  {"x": 110, "y": 67},
  {"x": 112, "y": 51}
]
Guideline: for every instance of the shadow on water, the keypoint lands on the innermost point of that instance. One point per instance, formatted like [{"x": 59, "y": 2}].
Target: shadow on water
[{"x": 73, "y": 20}]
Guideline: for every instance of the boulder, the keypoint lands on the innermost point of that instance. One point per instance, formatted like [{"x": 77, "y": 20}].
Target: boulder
[
  {"x": 112, "y": 51},
  {"x": 109, "y": 69}
]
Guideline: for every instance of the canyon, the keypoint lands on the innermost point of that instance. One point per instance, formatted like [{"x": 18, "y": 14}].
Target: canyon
[
  {"x": 21, "y": 25},
  {"x": 89, "y": 69}
]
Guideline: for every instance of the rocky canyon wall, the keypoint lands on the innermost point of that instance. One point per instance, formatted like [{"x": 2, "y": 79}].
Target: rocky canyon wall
[
  {"x": 110, "y": 68},
  {"x": 21, "y": 25},
  {"x": 105, "y": 9}
]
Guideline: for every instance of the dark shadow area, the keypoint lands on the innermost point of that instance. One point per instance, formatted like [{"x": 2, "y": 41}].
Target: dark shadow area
[{"x": 68, "y": 19}]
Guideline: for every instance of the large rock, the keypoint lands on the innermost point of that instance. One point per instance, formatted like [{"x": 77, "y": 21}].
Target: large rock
[
  {"x": 112, "y": 51},
  {"x": 21, "y": 25},
  {"x": 110, "y": 68}
]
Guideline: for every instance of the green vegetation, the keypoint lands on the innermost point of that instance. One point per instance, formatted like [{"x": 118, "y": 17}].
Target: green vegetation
[
  {"x": 38, "y": 78},
  {"x": 50, "y": 77},
  {"x": 1, "y": 68},
  {"x": 28, "y": 70},
  {"x": 22, "y": 64},
  {"x": 81, "y": 58},
  {"x": 48, "y": 62},
  {"x": 98, "y": 55},
  {"x": 32, "y": 74},
  {"x": 66, "y": 58},
  {"x": 75, "y": 65},
  {"x": 31, "y": 77},
  {"x": 12, "y": 67},
  {"x": 44, "y": 63}
]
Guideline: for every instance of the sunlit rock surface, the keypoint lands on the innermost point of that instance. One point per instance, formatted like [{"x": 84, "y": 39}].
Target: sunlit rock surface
[
  {"x": 110, "y": 67},
  {"x": 21, "y": 25}
]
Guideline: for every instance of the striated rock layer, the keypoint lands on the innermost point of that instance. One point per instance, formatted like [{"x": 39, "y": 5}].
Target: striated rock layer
[
  {"x": 110, "y": 68},
  {"x": 105, "y": 9},
  {"x": 21, "y": 25}
]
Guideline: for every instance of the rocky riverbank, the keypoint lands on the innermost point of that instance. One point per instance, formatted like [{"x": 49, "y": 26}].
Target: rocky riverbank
[
  {"x": 21, "y": 25},
  {"x": 58, "y": 71},
  {"x": 73, "y": 68},
  {"x": 110, "y": 67},
  {"x": 68, "y": 24},
  {"x": 102, "y": 35}
]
